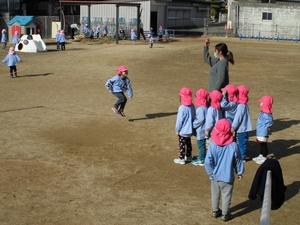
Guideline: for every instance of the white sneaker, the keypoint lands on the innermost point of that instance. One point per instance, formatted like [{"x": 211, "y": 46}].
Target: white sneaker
[
  {"x": 260, "y": 156},
  {"x": 261, "y": 160},
  {"x": 179, "y": 161}
]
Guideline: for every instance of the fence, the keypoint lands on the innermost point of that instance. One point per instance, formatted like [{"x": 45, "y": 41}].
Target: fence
[
  {"x": 266, "y": 206},
  {"x": 275, "y": 32}
]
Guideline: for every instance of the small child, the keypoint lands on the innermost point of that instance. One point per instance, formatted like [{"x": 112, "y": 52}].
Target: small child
[
  {"x": 118, "y": 84},
  {"x": 16, "y": 38},
  {"x": 151, "y": 40},
  {"x": 184, "y": 126},
  {"x": 229, "y": 101},
  {"x": 133, "y": 36},
  {"x": 57, "y": 37},
  {"x": 62, "y": 40},
  {"x": 201, "y": 102},
  {"x": 263, "y": 127},
  {"x": 241, "y": 124},
  {"x": 214, "y": 112},
  {"x": 11, "y": 60},
  {"x": 3, "y": 38},
  {"x": 222, "y": 160}
]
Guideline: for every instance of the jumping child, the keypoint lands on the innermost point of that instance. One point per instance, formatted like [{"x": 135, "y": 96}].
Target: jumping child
[
  {"x": 11, "y": 60},
  {"x": 184, "y": 126},
  {"x": 118, "y": 84},
  {"x": 241, "y": 125},
  {"x": 222, "y": 161},
  {"x": 201, "y": 102},
  {"x": 263, "y": 127}
]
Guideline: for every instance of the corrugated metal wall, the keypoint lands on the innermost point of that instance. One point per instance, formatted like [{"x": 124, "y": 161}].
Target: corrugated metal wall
[{"x": 107, "y": 13}]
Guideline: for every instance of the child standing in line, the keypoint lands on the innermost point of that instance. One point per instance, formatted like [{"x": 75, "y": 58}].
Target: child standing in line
[
  {"x": 214, "y": 112},
  {"x": 201, "y": 102},
  {"x": 229, "y": 101},
  {"x": 118, "y": 84},
  {"x": 222, "y": 161},
  {"x": 57, "y": 37},
  {"x": 3, "y": 38},
  {"x": 241, "y": 124},
  {"x": 184, "y": 126},
  {"x": 11, "y": 60},
  {"x": 263, "y": 127},
  {"x": 62, "y": 40}
]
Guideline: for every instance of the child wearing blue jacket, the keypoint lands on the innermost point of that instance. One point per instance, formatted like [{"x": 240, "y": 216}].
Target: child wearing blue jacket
[
  {"x": 229, "y": 101},
  {"x": 11, "y": 60},
  {"x": 16, "y": 38},
  {"x": 222, "y": 161},
  {"x": 118, "y": 84},
  {"x": 263, "y": 127},
  {"x": 62, "y": 40},
  {"x": 57, "y": 38},
  {"x": 3, "y": 38},
  {"x": 184, "y": 126},
  {"x": 241, "y": 124},
  {"x": 201, "y": 102},
  {"x": 214, "y": 112}
]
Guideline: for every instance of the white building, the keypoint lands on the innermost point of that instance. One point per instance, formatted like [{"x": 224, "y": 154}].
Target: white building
[
  {"x": 277, "y": 20},
  {"x": 168, "y": 13}
]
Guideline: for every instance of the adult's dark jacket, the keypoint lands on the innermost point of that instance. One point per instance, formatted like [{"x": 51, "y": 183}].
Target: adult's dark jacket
[{"x": 259, "y": 181}]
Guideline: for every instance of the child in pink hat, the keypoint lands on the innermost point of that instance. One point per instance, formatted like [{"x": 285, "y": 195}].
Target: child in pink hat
[
  {"x": 201, "y": 101},
  {"x": 241, "y": 124},
  {"x": 229, "y": 101},
  {"x": 118, "y": 84},
  {"x": 184, "y": 126},
  {"x": 3, "y": 38},
  {"x": 214, "y": 112},
  {"x": 263, "y": 127},
  {"x": 11, "y": 60},
  {"x": 222, "y": 161}
]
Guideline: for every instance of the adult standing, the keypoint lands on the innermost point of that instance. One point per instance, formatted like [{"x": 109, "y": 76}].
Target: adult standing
[{"x": 218, "y": 75}]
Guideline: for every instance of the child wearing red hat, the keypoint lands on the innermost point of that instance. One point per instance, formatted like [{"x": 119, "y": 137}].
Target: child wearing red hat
[
  {"x": 184, "y": 126},
  {"x": 263, "y": 127},
  {"x": 118, "y": 84}
]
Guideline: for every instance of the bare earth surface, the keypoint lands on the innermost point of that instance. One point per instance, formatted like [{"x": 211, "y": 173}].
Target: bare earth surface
[{"x": 66, "y": 159}]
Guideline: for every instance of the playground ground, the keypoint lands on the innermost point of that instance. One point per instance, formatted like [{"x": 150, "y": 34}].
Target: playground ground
[{"x": 65, "y": 158}]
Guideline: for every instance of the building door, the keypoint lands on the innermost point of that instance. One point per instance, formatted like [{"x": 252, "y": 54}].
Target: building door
[{"x": 153, "y": 22}]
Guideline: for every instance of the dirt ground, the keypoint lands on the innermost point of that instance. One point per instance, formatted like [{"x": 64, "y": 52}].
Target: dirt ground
[{"x": 66, "y": 159}]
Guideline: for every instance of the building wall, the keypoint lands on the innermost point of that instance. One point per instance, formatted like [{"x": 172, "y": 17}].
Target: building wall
[{"x": 285, "y": 22}]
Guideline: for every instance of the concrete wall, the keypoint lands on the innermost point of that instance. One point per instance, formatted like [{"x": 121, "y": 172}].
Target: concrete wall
[{"x": 285, "y": 23}]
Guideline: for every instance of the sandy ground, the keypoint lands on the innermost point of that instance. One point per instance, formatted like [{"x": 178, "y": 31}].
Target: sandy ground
[{"x": 65, "y": 158}]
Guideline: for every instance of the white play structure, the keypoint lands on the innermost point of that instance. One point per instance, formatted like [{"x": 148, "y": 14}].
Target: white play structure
[{"x": 31, "y": 43}]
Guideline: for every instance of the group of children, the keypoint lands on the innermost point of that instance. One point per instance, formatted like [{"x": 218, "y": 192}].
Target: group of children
[
  {"x": 60, "y": 40},
  {"x": 211, "y": 107}
]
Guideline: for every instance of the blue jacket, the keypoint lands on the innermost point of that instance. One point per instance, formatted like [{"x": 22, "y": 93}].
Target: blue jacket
[
  {"x": 242, "y": 121},
  {"x": 57, "y": 37},
  {"x": 3, "y": 37},
  {"x": 62, "y": 38},
  {"x": 212, "y": 116},
  {"x": 199, "y": 122},
  {"x": 117, "y": 84},
  {"x": 184, "y": 121},
  {"x": 11, "y": 60},
  {"x": 229, "y": 107},
  {"x": 264, "y": 122},
  {"x": 222, "y": 161},
  {"x": 15, "y": 39}
]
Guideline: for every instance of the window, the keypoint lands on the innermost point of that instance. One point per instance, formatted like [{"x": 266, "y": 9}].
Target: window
[{"x": 266, "y": 16}]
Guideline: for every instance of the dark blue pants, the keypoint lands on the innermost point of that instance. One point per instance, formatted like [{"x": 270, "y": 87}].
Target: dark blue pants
[
  {"x": 242, "y": 141},
  {"x": 121, "y": 102},
  {"x": 201, "y": 149}
]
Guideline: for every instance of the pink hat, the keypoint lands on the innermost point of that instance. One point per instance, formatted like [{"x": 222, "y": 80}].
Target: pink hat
[
  {"x": 221, "y": 133},
  {"x": 122, "y": 69},
  {"x": 185, "y": 96},
  {"x": 3, "y": 31},
  {"x": 62, "y": 31},
  {"x": 266, "y": 104},
  {"x": 242, "y": 94},
  {"x": 215, "y": 99},
  {"x": 231, "y": 92},
  {"x": 201, "y": 97}
]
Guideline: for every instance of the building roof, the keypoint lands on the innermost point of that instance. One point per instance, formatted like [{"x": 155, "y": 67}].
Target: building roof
[{"x": 22, "y": 20}]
